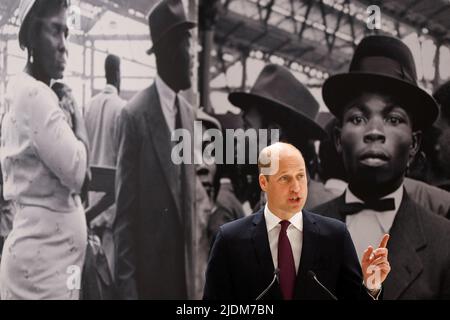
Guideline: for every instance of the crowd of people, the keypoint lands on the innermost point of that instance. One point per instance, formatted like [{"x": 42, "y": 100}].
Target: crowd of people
[{"x": 382, "y": 167}]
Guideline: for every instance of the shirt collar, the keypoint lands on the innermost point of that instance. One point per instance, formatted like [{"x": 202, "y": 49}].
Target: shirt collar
[
  {"x": 110, "y": 89},
  {"x": 272, "y": 220},
  {"x": 385, "y": 218},
  {"x": 397, "y": 195},
  {"x": 335, "y": 184},
  {"x": 225, "y": 181},
  {"x": 166, "y": 94}
]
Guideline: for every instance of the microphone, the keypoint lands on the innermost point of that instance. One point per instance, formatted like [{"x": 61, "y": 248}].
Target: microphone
[
  {"x": 312, "y": 275},
  {"x": 276, "y": 274}
]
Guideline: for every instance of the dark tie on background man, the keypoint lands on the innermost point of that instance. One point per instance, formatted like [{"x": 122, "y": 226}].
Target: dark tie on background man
[
  {"x": 178, "y": 124},
  {"x": 286, "y": 263},
  {"x": 379, "y": 205},
  {"x": 181, "y": 185}
]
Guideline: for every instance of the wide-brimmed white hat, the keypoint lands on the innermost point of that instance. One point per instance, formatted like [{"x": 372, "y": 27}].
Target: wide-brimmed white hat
[{"x": 24, "y": 9}]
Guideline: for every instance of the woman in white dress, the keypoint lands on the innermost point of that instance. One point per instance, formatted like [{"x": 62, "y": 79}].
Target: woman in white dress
[{"x": 44, "y": 165}]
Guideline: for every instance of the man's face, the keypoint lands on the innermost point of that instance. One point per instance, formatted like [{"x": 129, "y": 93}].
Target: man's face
[
  {"x": 50, "y": 51},
  {"x": 185, "y": 63},
  {"x": 376, "y": 140},
  {"x": 287, "y": 189},
  {"x": 253, "y": 119},
  {"x": 175, "y": 55}
]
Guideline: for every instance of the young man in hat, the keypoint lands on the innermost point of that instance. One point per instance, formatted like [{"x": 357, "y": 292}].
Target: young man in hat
[
  {"x": 155, "y": 197},
  {"x": 382, "y": 111},
  {"x": 286, "y": 243},
  {"x": 278, "y": 100},
  {"x": 333, "y": 172}
]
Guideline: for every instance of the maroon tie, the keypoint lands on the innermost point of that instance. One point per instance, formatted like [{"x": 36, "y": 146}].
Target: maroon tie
[{"x": 286, "y": 263}]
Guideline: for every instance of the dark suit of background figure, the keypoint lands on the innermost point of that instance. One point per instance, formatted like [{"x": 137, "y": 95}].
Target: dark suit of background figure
[
  {"x": 153, "y": 231},
  {"x": 241, "y": 265},
  {"x": 418, "y": 251}
]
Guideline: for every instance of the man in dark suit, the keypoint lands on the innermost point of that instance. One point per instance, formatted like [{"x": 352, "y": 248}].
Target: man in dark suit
[
  {"x": 284, "y": 240},
  {"x": 381, "y": 113},
  {"x": 155, "y": 197}
]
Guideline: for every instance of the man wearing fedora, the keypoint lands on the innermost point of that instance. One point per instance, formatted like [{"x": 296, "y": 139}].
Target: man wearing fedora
[
  {"x": 382, "y": 112},
  {"x": 155, "y": 197},
  {"x": 278, "y": 100}
]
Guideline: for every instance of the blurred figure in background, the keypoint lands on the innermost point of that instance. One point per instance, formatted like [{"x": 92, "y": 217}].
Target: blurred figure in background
[
  {"x": 204, "y": 203},
  {"x": 102, "y": 118},
  {"x": 442, "y": 95},
  {"x": 6, "y": 209},
  {"x": 331, "y": 168},
  {"x": 230, "y": 186}
]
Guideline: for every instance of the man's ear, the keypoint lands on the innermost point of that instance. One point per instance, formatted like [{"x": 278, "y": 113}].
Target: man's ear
[
  {"x": 415, "y": 144},
  {"x": 337, "y": 139},
  {"x": 263, "y": 182}
]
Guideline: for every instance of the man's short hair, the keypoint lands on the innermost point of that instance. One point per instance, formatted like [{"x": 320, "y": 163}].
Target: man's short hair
[
  {"x": 112, "y": 66},
  {"x": 262, "y": 165}
]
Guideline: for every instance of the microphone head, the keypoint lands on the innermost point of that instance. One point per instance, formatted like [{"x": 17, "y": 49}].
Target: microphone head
[
  {"x": 276, "y": 272},
  {"x": 311, "y": 274}
]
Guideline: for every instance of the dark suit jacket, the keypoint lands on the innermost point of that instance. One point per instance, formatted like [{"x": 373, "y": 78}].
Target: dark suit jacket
[
  {"x": 153, "y": 227},
  {"x": 241, "y": 266},
  {"x": 419, "y": 251}
]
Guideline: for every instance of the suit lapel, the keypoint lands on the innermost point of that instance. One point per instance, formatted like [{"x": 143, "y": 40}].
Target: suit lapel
[
  {"x": 160, "y": 135},
  {"x": 187, "y": 121},
  {"x": 261, "y": 245},
  {"x": 339, "y": 202},
  {"x": 407, "y": 238},
  {"x": 308, "y": 255}
]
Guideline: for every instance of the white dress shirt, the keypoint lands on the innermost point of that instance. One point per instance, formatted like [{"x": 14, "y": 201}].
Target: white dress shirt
[
  {"x": 167, "y": 99},
  {"x": 335, "y": 186},
  {"x": 102, "y": 119},
  {"x": 294, "y": 233},
  {"x": 368, "y": 226}
]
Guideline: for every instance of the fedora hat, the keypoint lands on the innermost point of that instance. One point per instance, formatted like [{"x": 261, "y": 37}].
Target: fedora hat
[
  {"x": 164, "y": 17},
  {"x": 277, "y": 93},
  {"x": 382, "y": 64}
]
